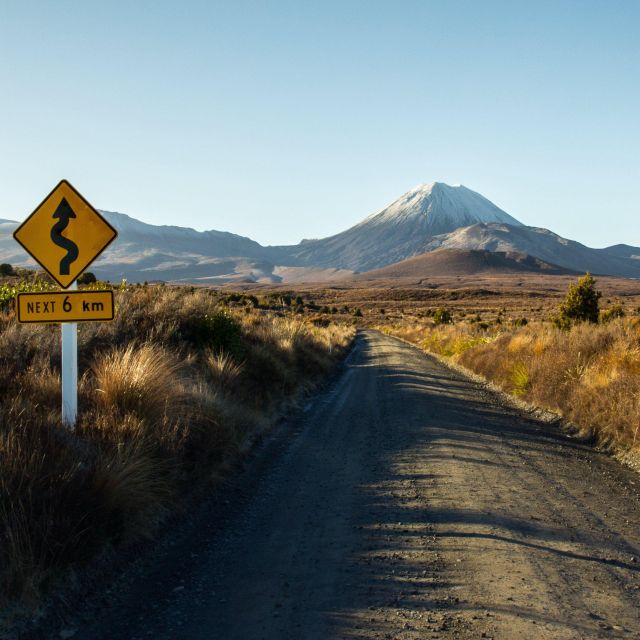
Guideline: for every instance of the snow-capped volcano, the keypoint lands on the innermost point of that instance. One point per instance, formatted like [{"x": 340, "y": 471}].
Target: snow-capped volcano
[
  {"x": 437, "y": 206},
  {"x": 403, "y": 228}
]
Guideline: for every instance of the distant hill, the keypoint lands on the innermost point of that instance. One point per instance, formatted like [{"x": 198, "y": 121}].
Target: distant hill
[
  {"x": 623, "y": 251},
  {"x": 428, "y": 218},
  {"x": 542, "y": 244},
  {"x": 455, "y": 262},
  {"x": 146, "y": 252},
  {"x": 150, "y": 252}
]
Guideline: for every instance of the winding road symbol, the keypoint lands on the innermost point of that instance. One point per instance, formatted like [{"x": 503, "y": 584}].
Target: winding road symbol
[
  {"x": 65, "y": 234},
  {"x": 63, "y": 214}
]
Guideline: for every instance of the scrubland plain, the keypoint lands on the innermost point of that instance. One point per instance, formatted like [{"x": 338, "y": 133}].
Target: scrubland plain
[
  {"x": 492, "y": 296},
  {"x": 170, "y": 392},
  {"x": 501, "y": 327}
]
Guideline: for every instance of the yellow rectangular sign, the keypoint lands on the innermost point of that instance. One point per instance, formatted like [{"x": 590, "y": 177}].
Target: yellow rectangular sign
[{"x": 65, "y": 306}]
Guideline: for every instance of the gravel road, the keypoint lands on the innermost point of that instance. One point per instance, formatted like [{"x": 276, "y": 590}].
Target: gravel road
[{"x": 404, "y": 502}]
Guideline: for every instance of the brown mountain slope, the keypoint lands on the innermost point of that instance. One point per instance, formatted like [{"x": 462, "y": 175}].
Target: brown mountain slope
[{"x": 462, "y": 262}]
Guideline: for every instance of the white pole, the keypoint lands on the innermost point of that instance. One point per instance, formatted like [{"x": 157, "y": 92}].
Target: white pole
[{"x": 70, "y": 370}]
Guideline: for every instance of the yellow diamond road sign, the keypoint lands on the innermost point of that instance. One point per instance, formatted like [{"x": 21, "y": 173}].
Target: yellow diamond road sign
[{"x": 65, "y": 234}]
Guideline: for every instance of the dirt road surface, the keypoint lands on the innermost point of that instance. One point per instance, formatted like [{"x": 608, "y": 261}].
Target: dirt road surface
[{"x": 403, "y": 503}]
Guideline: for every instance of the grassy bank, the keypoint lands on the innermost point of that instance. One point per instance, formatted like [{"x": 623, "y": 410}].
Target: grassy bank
[
  {"x": 169, "y": 392},
  {"x": 589, "y": 374}
]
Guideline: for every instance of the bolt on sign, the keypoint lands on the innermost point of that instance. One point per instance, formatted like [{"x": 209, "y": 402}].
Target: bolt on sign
[{"x": 65, "y": 234}]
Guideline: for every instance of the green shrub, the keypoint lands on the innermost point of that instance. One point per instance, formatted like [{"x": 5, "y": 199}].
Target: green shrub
[
  {"x": 9, "y": 292},
  {"x": 6, "y": 270},
  {"x": 612, "y": 313},
  {"x": 357, "y": 313},
  {"x": 442, "y": 316},
  {"x": 520, "y": 378},
  {"x": 87, "y": 278},
  {"x": 581, "y": 303},
  {"x": 466, "y": 342},
  {"x": 219, "y": 332}
]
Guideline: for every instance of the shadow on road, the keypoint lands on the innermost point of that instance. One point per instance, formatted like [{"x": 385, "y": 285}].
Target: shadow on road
[{"x": 434, "y": 420}]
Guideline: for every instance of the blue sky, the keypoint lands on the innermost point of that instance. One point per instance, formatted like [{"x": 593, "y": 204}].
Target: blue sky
[{"x": 284, "y": 120}]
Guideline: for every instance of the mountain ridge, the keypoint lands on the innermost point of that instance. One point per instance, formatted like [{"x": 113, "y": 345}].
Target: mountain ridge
[
  {"x": 429, "y": 217},
  {"x": 541, "y": 243}
]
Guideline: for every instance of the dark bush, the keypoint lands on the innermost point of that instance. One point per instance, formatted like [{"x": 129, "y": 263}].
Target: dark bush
[
  {"x": 581, "y": 303},
  {"x": 87, "y": 278},
  {"x": 218, "y": 331},
  {"x": 442, "y": 316},
  {"x": 6, "y": 270}
]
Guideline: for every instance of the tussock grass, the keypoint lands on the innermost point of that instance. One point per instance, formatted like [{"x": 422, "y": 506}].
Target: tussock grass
[
  {"x": 224, "y": 370},
  {"x": 590, "y": 373},
  {"x": 143, "y": 380},
  {"x": 170, "y": 391}
]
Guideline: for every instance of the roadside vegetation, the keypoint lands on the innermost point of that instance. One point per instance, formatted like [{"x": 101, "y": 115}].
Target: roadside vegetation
[
  {"x": 171, "y": 391},
  {"x": 583, "y": 362}
]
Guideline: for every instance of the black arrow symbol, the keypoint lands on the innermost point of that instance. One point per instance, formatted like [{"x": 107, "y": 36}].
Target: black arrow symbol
[{"x": 64, "y": 213}]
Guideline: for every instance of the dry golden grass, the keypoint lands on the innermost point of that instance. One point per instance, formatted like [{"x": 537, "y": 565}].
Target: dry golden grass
[
  {"x": 223, "y": 369},
  {"x": 144, "y": 380},
  {"x": 169, "y": 391},
  {"x": 590, "y": 374},
  {"x": 136, "y": 488}
]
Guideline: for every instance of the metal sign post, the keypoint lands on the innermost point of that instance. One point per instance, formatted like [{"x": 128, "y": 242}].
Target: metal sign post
[
  {"x": 70, "y": 369},
  {"x": 65, "y": 234}
]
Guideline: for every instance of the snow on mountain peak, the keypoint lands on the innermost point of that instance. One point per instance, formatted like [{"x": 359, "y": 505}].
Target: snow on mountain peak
[{"x": 440, "y": 208}]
